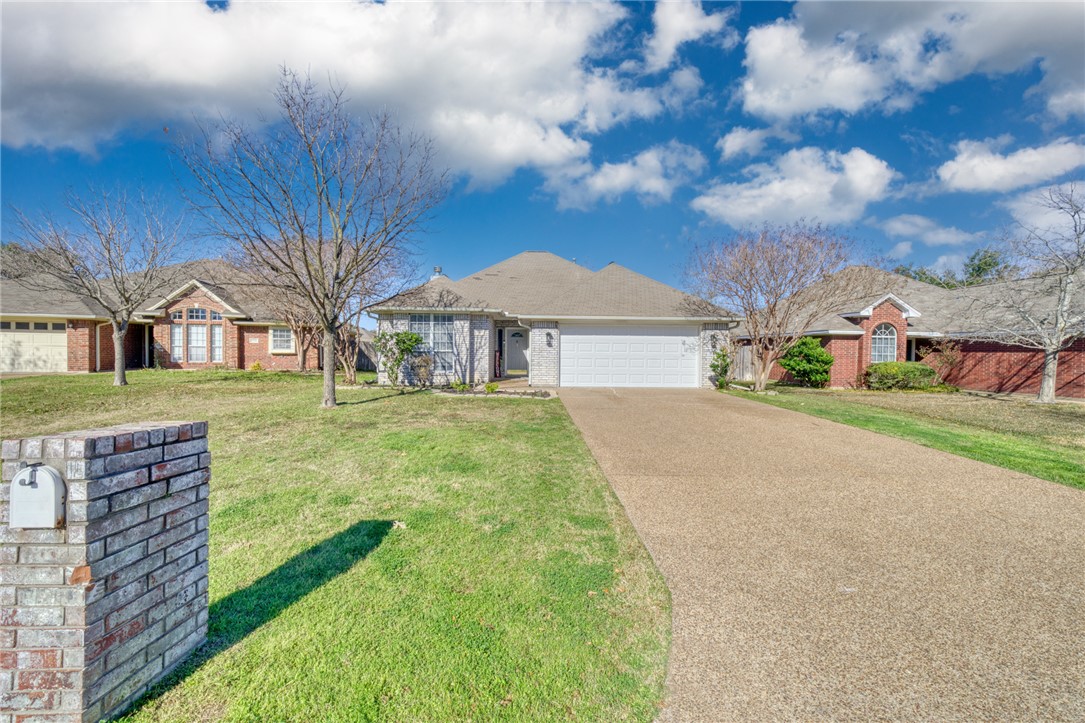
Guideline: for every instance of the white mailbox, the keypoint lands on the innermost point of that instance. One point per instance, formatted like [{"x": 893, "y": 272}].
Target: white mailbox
[{"x": 37, "y": 498}]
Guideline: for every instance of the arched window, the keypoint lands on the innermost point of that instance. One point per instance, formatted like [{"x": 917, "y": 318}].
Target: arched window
[{"x": 883, "y": 347}]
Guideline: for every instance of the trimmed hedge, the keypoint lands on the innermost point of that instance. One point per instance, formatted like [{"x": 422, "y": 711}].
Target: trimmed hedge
[
  {"x": 808, "y": 361},
  {"x": 900, "y": 375}
]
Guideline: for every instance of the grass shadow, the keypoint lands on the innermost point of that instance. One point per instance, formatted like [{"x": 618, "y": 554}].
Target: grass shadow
[
  {"x": 240, "y": 613},
  {"x": 393, "y": 395}
]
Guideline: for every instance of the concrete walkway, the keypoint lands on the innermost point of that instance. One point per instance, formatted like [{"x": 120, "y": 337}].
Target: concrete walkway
[{"x": 823, "y": 572}]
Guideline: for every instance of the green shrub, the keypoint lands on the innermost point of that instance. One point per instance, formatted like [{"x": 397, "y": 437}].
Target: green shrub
[
  {"x": 900, "y": 375},
  {"x": 256, "y": 367},
  {"x": 460, "y": 387},
  {"x": 808, "y": 362},
  {"x": 720, "y": 365},
  {"x": 394, "y": 348},
  {"x": 490, "y": 387}
]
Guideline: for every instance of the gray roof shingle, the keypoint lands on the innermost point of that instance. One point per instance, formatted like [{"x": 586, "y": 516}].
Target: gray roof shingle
[{"x": 541, "y": 284}]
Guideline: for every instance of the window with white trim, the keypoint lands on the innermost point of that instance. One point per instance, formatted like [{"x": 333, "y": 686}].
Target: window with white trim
[
  {"x": 197, "y": 314},
  {"x": 282, "y": 340},
  {"x": 216, "y": 344},
  {"x": 216, "y": 316},
  {"x": 177, "y": 343},
  {"x": 197, "y": 343},
  {"x": 436, "y": 333},
  {"x": 883, "y": 344},
  {"x": 177, "y": 315}
]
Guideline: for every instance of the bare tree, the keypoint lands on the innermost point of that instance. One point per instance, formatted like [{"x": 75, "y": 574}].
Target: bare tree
[
  {"x": 781, "y": 280},
  {"x": 1046, "y": 309},
  {"x": 322, "y": 199},
  {"x": 115, "y": 251}
]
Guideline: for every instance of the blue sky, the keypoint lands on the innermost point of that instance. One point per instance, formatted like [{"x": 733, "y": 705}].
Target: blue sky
[{"x": 600, "y": 132}]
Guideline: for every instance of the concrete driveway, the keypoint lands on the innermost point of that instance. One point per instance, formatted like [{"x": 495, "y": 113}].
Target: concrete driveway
[{"x": 823, "y": 572}]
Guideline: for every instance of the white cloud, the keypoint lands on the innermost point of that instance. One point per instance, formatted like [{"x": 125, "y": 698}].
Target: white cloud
[
  {"x": 501, "y": 87},
  {"x": 926, "y": 230},
  {"x": 653, "y": 175},
  {"x": 806, "y": 182},
  {"x": 893, "y": 51},
  {"x": 978, "y": 167},
  {"x": 949, "y": 262},
  {"x": 681, "y": 22},
  {"x": 900, "y": 250},
  {"x": 749, "y": 141},
  {"x": 1029, "y": 210},
  {"x": 786, "y": 77}
]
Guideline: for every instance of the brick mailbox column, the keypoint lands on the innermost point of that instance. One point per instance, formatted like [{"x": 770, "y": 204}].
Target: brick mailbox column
[{"x": 95, "y": 612}]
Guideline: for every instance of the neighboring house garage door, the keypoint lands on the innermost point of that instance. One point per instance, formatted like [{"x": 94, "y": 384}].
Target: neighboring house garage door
[
  {"x": 629, "y": 356},
  {"x": 33, "y": 346}
]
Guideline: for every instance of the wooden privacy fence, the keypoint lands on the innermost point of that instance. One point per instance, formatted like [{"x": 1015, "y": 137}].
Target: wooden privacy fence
[{"x": 742, "y": 364}]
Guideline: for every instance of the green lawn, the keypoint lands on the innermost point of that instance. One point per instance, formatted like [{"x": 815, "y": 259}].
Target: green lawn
[
  {"x": 1044, "y": 440},
  {"x": 514, "y": 589}
]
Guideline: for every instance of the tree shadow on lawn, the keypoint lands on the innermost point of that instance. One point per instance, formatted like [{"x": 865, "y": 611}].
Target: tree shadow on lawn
[
  {"x": 240, "y": 613},
  {"x": 393, "y": 395}
]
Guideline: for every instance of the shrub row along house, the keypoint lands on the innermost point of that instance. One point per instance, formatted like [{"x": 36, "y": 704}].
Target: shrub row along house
[
  {"x": 558, "y": 324},
  {"x": 211, "y": 318},
  {"x": 904, "y": 319}
]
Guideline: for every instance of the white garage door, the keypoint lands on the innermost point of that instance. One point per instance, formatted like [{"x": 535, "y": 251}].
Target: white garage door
[
  {"x": 33, "y": 345},
  {"x": 629, "y": 356}
]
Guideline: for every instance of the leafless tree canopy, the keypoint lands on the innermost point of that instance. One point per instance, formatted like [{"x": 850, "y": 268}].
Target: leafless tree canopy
[
  {"x": 323, "y": 201},
  {"x": 1045, "y": 310},
  {"x": 115, "y": 251},
  {"x": 780, "y": 279}
]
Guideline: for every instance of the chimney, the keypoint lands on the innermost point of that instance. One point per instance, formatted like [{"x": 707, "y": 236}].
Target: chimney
[{"x": 436, "y": 273}]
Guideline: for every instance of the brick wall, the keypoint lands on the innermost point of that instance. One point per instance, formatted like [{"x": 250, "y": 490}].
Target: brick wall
[
  {"x": 94, "y": 613},
  {"x": 242, "y": 346},
  {"x": 1003, "y": 368},
  {"x": 544, "y": 342},
  {"x": 482, "y": 347},
  {"x": 81, "y": 345},
  {"x": 713, "y": 337}
]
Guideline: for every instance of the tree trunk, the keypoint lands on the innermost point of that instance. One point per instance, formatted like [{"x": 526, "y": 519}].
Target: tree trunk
[
  {"x": 329, "y": 368},
  {"x": 120, "y": 330},
  {"x": 760, "y": 372},
  {"x": 1047, "y": 383},
  {"x": 303, "y": 348}
]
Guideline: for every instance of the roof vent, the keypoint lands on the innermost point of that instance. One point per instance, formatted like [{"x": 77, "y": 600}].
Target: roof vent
[{"x": 436, "y": 273}]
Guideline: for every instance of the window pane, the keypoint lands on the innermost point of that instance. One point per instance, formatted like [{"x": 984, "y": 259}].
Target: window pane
[
  {"x": 197, "y": 314},
  {"x": 216, "y": 316},
  {"x": 41, "y": 326},
  {"x": 197, "y": 343},
  {"x": 883, "y": 347},
  {"x": 58, "y": 326},
  {"x": 5, "y": 324},
  {"x": 23, "y": 325},
  {"x": 281, "y": 340},
  {"x": 216, "y": 343},
  {"x": 176, "y": 342}
]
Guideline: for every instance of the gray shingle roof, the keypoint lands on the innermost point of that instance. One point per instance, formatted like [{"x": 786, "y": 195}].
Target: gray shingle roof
[
  {"x": 942, "y": 311},
  {"x": 540, "y": 284}
]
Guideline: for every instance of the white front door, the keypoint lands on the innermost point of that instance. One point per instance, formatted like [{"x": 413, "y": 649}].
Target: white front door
[
  {"x": 33, "y": 345},
  {"x": 516, "y": 350},
  {"x": 657, "y": 355}
]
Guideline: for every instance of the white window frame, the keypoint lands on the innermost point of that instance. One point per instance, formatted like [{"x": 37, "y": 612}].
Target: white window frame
[
  {"x": 217, "y": 350},
  {"x": 271, "y": 347},
  {"x": 177, "y": 342},
  {"x": 882, "y": 341},
  {"x": 177, "y": 315},
  {"x": 196, "y": 314},
  {"x": 201, "y": 349},
  {"x": 441, "y": 346}
]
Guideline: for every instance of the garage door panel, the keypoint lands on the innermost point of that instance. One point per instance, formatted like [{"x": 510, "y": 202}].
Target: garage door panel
[
  {"x": 34, "y": 346},
  {"x": 634, "y": 355}
]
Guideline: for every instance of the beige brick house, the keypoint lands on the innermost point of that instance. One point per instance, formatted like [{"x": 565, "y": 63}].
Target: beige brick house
[{"x": 556, "y": 323}]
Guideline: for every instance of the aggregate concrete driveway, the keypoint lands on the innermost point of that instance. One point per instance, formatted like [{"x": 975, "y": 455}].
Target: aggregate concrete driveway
[{"x": 820, "y": 571}]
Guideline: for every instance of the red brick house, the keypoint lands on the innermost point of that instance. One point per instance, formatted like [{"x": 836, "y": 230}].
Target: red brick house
[
  {"x": 902, "y": 319},
  {"x": 213, "y": 319}
]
